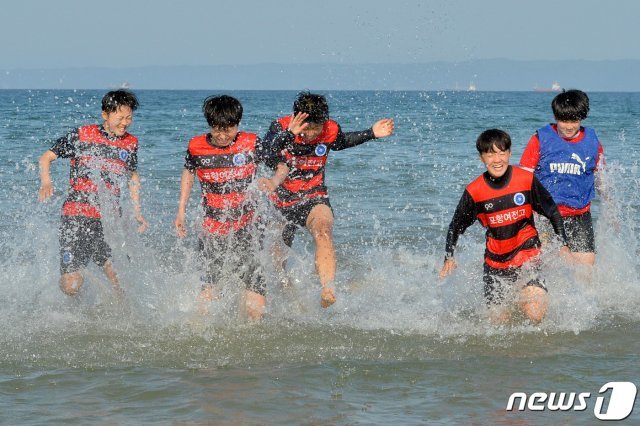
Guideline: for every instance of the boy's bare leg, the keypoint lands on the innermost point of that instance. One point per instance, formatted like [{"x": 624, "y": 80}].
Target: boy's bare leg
[
  {"x": 320, "y": 225},
  {"x": 110, "y": 272},
  {"x": 254, "y": 305},
  {"x": 279, "y": 258},
  {"x": 498, "y": 314},
  {"x": 533, "y": 303}
]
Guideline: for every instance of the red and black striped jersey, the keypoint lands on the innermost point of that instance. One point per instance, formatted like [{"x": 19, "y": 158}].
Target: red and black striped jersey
[
  {"x": 505, "y": 207},
  {"x": 225, "y": 174},
  {"x": 98, "y": 162},
  {"x": 307, "y": 159}
]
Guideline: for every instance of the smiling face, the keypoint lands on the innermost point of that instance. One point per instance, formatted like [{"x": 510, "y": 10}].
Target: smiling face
[
  {"x": 496, "y": 161},
  {"x": 568, "y": 129},
  {"x": 116, "y": 123},
  {"x": 223, "y": 136}
]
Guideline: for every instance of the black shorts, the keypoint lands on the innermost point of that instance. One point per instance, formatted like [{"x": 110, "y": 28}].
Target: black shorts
[
  {"x": 81, "y": 240},
  {"x": 297, "y": 215},
  {"x": 579, "y": 230},
  {"x": 234, "y": 254},
  {"x": 497, "y": 282}
]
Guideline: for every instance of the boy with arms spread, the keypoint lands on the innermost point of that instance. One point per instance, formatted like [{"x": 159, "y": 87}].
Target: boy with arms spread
[
  {"x": 503, "y": 200},
  {"x": 225, "y": 162},
  {"x": 307, "y": 137},
  {"x": 101, "y": 157},
  {"x": 565, "y": 157}
]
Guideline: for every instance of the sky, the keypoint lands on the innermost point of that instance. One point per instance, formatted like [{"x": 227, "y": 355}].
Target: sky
[{"x": 47, "y": 34}]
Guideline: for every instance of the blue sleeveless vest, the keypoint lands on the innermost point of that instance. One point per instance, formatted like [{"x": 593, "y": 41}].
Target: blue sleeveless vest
[{"x": 566, "y": 169}]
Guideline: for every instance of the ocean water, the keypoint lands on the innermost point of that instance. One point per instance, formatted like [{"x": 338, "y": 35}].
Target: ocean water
[{"x": 400, "y": 345}]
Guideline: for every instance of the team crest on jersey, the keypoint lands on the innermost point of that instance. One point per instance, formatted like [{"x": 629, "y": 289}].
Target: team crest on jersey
[
  {"x": 123, "y": 154},
  {"x": 240, "y": 159},
  {"x": 67, "y": 258},
  {"x": 321, "y": 150},
  {"x": 519, "y": 199}
]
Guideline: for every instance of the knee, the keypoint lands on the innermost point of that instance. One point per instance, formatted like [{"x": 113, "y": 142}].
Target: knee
[
  {"x": 323, "y": 231},
  {"x": 70, "y": 283},
  {"x": 533, "y": 303}
]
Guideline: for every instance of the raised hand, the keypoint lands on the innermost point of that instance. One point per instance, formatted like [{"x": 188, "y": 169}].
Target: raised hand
[
  {"x": 297, "y": 124},
  {"x": 383, "y": 128}
]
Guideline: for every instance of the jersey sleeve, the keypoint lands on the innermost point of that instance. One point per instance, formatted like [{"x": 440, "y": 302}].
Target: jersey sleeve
[
  {"x": 132, "y": 160},
  {"x": 65, "y": 147},
  {"x": 464, "y": 217},
  {"x": 346, "y": 140},
  {"x": 531, "y": 155},
  {"x": 189, "y": 161},
  {"x": 274, "y": 143}
]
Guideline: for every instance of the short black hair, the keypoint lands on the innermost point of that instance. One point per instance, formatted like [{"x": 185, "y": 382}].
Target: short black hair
[
  {"x": 313, "y": 104},
  {"x": 491, "y": 137},
  {"x": 572, "y": 105},
  {"x": 118, "y": 98},
  {"x": 222, "y": 111}
]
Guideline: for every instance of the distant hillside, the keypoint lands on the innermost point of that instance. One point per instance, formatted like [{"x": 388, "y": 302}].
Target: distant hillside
[{"x": 494, "y": 74}]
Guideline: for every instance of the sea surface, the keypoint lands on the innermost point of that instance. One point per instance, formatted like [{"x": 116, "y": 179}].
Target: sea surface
[{"x": 400, "y": 345}]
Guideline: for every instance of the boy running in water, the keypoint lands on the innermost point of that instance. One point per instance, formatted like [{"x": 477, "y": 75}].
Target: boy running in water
[
  {"x": 307, "y": 137},
  {"x": 225, "y": 162},
  {"x": 102, "y": 156},
  {"x": 503, "y": 199},
  {"x": 565, "y": 157}
]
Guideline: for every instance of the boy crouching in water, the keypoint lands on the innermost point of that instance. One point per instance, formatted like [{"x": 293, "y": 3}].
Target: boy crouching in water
[
  {"x": 503, "y": 199},
  {"x": 225, "y": 162}
]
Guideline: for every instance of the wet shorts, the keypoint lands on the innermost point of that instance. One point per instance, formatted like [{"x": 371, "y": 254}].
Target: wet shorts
[
  {"x": 497, "y": 282},
  {"x": 236, "y": 254},
  {"x": 579, "y": 230},
  {"x": 81, "y": 240},
  {"x": 297, "y": 215}
]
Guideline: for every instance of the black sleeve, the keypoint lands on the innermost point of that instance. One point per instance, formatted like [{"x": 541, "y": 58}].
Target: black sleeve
[
  {"x": 542, "y": 203},
  {"x": 65, "y": 147},
  {"x": 351, "y": 139},
  {"x": 274, "y": 142},
  {"x": 263, "y": 152},
  {"x": 464, "y": 217},
  {"x": 132, "y": 161},
  {"x": 189, "y": 162}
]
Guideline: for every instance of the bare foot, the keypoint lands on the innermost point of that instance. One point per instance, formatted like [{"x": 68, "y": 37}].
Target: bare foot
[{"x": 327, "y": 297}]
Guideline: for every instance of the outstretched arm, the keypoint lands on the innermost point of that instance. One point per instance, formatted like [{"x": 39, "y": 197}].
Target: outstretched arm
[
  {"x": 381, "y": 129},
  {"x": 186, "y": 184},
  {"x": 134, "y": 190},
  {"x": 46, "y": 187}
]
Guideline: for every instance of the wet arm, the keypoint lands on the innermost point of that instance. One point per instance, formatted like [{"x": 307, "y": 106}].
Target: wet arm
[
  {"x": 273, "y": 143},
  {"x": 270, "y": 185},
  {"x": 543, "y": 203},
  {"x": 351, "y": 139},
  {"x": 186, "y": 184},
  {"x": 46, "y": 186},
  {"x": 134, "y": 190},
  {"x": 464, "y": 217}
]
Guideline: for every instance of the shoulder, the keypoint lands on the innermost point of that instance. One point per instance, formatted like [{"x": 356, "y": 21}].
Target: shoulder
[
  {"x": 476, "y": 185},
  {"x": 283, "y": 122},
  {"x": 88, "y": 130},
  {"x": 522, "y": 173},
  {"x": 247, "y": 138},
  {"x": 197, "y": 142},
  {"x": 330, "y": 130}
]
